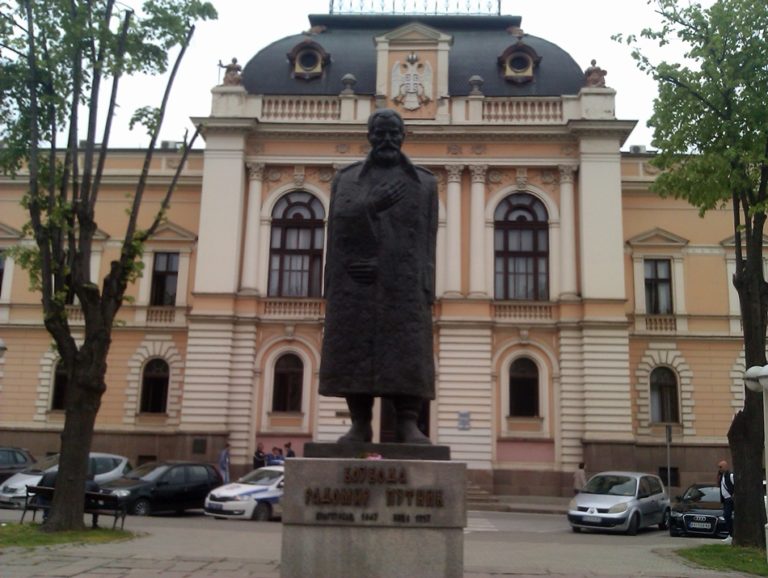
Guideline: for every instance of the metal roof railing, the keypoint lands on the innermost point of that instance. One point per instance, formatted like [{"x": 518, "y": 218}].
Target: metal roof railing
[{"x": 425, "y": 7}]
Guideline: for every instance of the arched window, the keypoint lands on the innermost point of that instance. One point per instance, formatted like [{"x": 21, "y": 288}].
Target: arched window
[
  {"x": 289, "y": 377},
  {"x": 60, "y": 383},
  {"x": 154, "y": 387},
  {"x": 523, "y": 388},
  {"x": 664, "y": 405},
  {"x": 296, "y": 247},
  {"x": 521, "y": 249}
]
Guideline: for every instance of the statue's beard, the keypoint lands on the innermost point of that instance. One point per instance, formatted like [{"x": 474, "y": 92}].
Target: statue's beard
[{"x": 386, "y": 155}]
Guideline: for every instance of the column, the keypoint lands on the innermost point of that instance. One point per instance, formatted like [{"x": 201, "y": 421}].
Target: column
[
  {"x": 568, "y": 286},
  {"x": 252, "y": 226},
  {"x": 477, "y": 256},
  {"x": 453, "y": 233}
]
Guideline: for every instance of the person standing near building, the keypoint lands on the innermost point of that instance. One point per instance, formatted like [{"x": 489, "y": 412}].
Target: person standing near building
[
  {"x": 259, "y": 457},
  {"x": 224, "y": 463},
  {"x": 579, "y": 479},
  {"x": 289, "y": 453},
  {"x": 725, "y": 481}
]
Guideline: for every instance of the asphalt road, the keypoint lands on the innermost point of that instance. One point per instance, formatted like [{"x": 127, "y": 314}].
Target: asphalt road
[{"x": 495, "y": 544}]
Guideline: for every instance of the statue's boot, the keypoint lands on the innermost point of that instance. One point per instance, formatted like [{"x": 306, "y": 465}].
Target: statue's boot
[
  {"x": 361, "y": 410},
  {"x": 407, "y": 430}
]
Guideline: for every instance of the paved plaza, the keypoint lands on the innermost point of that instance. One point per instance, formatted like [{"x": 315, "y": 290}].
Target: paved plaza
[{"x": 518, "y": 543}]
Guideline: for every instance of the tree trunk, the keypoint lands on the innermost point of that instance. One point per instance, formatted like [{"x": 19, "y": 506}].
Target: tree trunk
[
  {"x": 745, "y": 438},
  {"x": 83, "y": 402},
  {"x": 746, "y": 435}
]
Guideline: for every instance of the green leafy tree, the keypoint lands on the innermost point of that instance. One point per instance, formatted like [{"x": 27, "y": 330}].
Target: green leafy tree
[
  {"x": 59, "y": 60},
  {"x": 710, "y": 123}
]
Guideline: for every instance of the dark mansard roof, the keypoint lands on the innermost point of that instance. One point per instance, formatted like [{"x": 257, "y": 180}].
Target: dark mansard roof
[{"x": 477, "y": 44}]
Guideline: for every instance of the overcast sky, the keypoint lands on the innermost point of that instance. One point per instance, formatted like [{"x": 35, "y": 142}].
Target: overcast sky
[{"x": 583, "y": 28}]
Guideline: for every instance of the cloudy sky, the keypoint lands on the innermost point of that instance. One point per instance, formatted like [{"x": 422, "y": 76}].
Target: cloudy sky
[{"x": 583, "y": 28}]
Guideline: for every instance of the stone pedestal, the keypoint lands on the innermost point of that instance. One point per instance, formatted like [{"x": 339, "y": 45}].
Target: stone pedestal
[{"x": 365, "y": 518}]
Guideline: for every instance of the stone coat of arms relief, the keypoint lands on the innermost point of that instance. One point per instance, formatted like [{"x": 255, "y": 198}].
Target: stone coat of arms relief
[{"x": 411, "y": 82}]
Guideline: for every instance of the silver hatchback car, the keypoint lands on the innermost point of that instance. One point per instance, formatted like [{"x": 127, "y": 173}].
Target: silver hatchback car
[{"x": 620, "y": 501}]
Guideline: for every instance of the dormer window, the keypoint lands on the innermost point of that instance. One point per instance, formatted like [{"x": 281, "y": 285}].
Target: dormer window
[
  {"x": 518, "y": 62},
  {"x": 308, "y": 60}
]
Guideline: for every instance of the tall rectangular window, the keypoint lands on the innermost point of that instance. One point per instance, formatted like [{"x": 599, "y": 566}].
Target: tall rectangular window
[
  {"x": 658, "y": 286},
  {"x": 165, "y": 276},
  {"x": 521, "y": 249},
  {"x": 2, "y": 270}
]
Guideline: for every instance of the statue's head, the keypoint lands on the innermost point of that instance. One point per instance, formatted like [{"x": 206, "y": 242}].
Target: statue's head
[{"x": 386, "y": 133}]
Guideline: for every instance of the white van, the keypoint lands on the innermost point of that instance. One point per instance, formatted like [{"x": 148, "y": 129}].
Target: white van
[{"x": 104, "y": 467}]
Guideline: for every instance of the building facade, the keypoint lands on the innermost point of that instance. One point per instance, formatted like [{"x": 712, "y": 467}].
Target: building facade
[{"x": 579, "y": 317}]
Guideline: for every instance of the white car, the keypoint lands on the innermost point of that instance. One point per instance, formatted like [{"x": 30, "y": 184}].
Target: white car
[
  {"x": 104, "y": 467},
  {"x": 620, "y": 501},
  {"x": 255, "y": 496}
]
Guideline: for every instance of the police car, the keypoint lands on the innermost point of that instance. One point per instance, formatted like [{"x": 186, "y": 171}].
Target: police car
[{"x": 255, "y": 496}]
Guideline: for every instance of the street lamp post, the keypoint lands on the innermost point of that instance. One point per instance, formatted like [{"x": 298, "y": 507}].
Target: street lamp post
[{"x": 756, "y": 379}]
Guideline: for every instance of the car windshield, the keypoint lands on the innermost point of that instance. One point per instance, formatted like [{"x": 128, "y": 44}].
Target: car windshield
[
  {"x": 611, "y": 485},
  {"x": 43, "y": 465},
  {"x": 702, "y": 494},
  {"x": 147, "y": 472},
  {"x": 261, "y": 477}
]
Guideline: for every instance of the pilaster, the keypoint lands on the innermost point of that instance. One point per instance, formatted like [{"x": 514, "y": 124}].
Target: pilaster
[
  {"x": 453, "y": 233},
  {"x": 477, "y": 281},
  {"x": 568, "y": 283},
  {"x": 252, "y": 228}
]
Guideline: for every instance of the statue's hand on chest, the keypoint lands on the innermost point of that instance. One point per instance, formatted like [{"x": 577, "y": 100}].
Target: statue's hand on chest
[{"x": 387, "y": 194}]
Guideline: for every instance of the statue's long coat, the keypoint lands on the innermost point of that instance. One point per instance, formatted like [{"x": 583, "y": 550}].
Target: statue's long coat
[{"x": 378, "y": 338}]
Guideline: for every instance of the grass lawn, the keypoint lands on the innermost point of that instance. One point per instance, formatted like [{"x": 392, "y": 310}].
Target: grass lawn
[
  {"x": 30, "y": 536},
  {"x": 725, "y": 557}
]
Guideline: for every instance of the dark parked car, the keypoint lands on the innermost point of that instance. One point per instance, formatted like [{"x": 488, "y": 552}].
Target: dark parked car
[
  {"x": 170, "y": 486},
  {"x": 14, "y": 460},
  {"x": 698, "y": 512}
]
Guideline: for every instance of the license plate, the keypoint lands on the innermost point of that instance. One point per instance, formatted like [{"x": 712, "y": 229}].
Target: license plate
[
  {"x": 592, "y": 519},
  {"x": 215, "y": 506},
  {"x": 700, "y": 525}
]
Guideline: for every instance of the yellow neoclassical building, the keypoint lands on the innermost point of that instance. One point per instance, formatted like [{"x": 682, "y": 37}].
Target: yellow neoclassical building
[{"x": 579, "y": 317}]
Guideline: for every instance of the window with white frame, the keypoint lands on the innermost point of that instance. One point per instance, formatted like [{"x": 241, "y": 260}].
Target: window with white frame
[
  {"x": 521, "y": 249},
  {"x": 296, "y": 246},
  {"x": 288, "y": 384},
  {"x": 154, "y": 386},
  {"x": 165, "y": 276},
  {"x": 658, "y": 286},
  {"x": 664, "y": 396},
  {"x": 523, "y": 388}
]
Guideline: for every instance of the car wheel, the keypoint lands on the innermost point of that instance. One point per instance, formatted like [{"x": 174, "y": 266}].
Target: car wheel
[
  {"x": 141, "y": 507},
  {"x": 664, "y": 524},
  {"x": 575, "y": 529},
  {"x": 262, "y": 512},
  {"x": 634, "y": 525}
]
